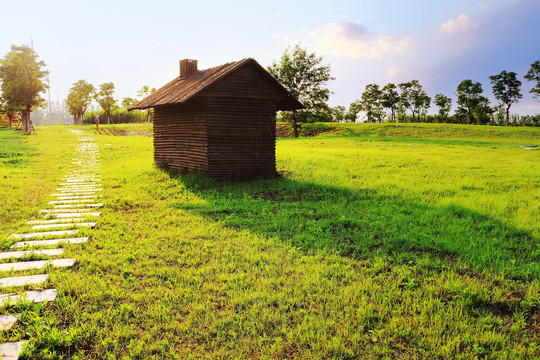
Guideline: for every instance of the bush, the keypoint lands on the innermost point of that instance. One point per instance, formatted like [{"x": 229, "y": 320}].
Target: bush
[{"x": 119, "y": 116}]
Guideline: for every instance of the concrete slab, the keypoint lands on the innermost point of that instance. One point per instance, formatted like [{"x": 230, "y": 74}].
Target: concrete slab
[
  {"x": 23, "y": 280},
  {"x": 11, "y": 351},
  {"x": 7, "y": 321},
  {"x": 37, "y": 264},
  {"x": 65, "y": 225},
  {"x": 82, "y": 201},
  {"x": 55, "y": 221},
  {"x": 20, "y": 254},
  {"x": 37, "y": 235},
  {"x": 71, "y": 215},
  {"x": 21, "y": 244},
  {"x": 52, "y": 211},
  {"x": 79, "y": 197},
  {"x": 33, "y": 296},
  {"x": 72, "y": 206}
]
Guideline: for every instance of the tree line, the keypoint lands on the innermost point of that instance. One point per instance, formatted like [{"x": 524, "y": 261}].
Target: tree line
[
  {"x": 24, "y": 78},
  {"x": 82, "y": 93},
  {"x": 304, "y": 75}
]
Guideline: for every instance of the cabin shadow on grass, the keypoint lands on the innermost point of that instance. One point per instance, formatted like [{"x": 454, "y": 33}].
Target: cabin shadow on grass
[{"x": 365, "y": 225}]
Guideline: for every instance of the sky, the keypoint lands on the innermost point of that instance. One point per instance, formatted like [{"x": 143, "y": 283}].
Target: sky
[{"x": 136, "y": 43}]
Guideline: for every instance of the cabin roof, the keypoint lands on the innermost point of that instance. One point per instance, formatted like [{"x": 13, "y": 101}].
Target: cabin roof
[{"x": 182, "y": 89}]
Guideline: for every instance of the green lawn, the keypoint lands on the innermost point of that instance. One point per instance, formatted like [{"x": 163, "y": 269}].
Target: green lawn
[{"x": 405, "y": 241}]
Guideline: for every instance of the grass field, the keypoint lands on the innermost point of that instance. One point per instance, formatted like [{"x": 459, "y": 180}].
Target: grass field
[{"x": 382, "y": 241}]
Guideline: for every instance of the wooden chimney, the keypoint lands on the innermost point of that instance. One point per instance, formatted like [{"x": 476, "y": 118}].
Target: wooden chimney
[{"x": 187, "y": 67}]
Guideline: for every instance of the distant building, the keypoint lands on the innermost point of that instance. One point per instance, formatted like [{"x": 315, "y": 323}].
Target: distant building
[{"x": 219, "y": 121}]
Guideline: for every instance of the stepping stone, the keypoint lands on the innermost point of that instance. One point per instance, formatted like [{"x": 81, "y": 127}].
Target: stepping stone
[
  {"x": 11, "y": 351},
  {"x": 93, "y": 188},
  {"x": 7, "y": 321},
  {"x": 70, "y": 201},
  {"x": 55, "y": 221},
  {"x": 20, "y": 254},
  {"x": 42, "y": 234},
  {"x": 76, "y": 193},
  {"x": 21, "y": 244},
  {"x": 71, "y": 206},
  {"x": 71, "y": 215},
  {"x": 81, "y": 184},
  {"x": 78, "y": 197},
  {"x": 37, "y": 264},
  {"x": 23, "y": 280},
  {"x": 52, "y": 211},
  {"x": 66, "y": 225},
  {"x": 34, "y": 296}
]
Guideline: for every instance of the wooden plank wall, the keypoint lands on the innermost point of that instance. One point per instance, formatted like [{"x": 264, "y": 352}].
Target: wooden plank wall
[
  {"x": 241, "y": 138},
  {"x": 180, "y": 136}
]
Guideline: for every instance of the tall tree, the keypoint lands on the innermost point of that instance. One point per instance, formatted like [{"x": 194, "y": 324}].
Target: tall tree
[
  {"x": 390, "y": 99},
  {"x": 445, "y": 104},
  {"x": 304, "y": 76},
  {"x": 23, "y": 78},
  {"x": 470, "y": 98},
  {"x": 79, "y": 98},
  {"x": 506, "y": 89},
  {"x": 105, "y": 99},
  {"x": 371, "y": 103},
  {"x": 412, "y": 97},
  {"x": 534, "y": 75},
  {"x": 144, "y": 92}
]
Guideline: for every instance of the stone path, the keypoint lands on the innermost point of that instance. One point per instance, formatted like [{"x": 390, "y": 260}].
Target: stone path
[{"x": 73, "y": 211}]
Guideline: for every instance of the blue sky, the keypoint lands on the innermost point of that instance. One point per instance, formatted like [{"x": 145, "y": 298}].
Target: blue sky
[{"x": 135, "y": 43}]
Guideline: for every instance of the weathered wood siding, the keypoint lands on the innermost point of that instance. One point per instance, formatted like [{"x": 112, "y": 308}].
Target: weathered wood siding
[
  {"x": 180, "y": 136},
  {"x": 241, "y": 138},
  {"x": 227, "y": 131}
]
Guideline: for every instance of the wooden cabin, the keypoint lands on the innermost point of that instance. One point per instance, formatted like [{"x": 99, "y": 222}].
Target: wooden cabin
[{"x": 219, "y": 121}]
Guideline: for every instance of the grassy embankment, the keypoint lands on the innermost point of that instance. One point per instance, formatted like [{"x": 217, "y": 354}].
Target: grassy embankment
[{"x": 410, "y": 241}]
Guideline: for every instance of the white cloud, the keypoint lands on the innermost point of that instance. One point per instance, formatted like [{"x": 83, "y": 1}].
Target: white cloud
[
  {"x": 398, "y": 72},
  {"x": 353, "y": 40},
  {"x": 484, "y": 6},
  {"x": 462, "y": 23}
]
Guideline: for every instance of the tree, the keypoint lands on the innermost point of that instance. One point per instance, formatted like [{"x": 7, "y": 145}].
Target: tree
[
  {"x": 23, "y": 78},
  {"x": 354, "y": 108},
  {"x": 469, "y": 98},
  {"x": 302, "y": 74},
  {"x": 371, "y": 103},
  {"x": 445, "y": 104},
  {"x": 79, "y": 98},
  {"x": 506, "y": 88},
  {"x": 390, "y": 99},
  {"x": 422, "y": 103},
  {"x": 128, "y": 102},
  {"x": 534, "y": 75},
  {"x": 105, "y": 99},
  {"x": 412, "y": 97},
  {"x": 144, "y": 92}
]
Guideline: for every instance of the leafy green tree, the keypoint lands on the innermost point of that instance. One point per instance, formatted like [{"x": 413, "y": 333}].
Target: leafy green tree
[
  {"x": 506, "y": 89},
  {"x": 422, "y": 103},
  {"x": 144, "y": 92},
  {"x": 390, "y": 99},
  {"x": 302, "y": 74},
  {"x": 470, "y": 99},
  {"x": 412, "y": 97},
  {"x": 445, "y": 104},
  {"x": 371, "y": 103},
  {"x": 79, "y": 98},
  {"x": 23, "y": 78},
  {"x": 105, "y": 99},
  {"x": 534, "y": 75},
  {"x": 128, "y": 102}
]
